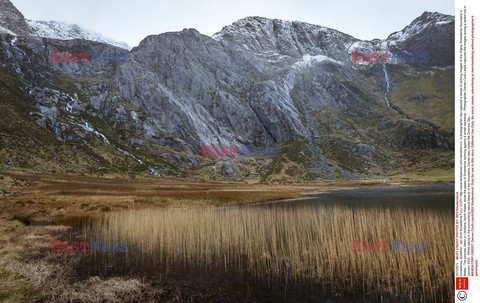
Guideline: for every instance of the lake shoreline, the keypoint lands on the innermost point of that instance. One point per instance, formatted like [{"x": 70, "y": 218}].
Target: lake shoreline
[
  {"x": 37, "y": 209},
  {"x": 310, "y": 195}
]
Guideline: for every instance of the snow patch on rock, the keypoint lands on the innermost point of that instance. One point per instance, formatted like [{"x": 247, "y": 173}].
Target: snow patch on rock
[{"x": 66, "y": 31}]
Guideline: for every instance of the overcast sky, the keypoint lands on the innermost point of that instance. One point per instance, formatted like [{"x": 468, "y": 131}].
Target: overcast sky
[{"x": 131, "y": 21}]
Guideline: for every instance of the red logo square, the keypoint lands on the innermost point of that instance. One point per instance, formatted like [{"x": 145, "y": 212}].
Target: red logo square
[{"x": 461, "y": 283}]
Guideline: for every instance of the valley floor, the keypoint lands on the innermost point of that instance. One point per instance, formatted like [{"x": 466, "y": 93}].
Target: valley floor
[{"x": 35, "y": 208}]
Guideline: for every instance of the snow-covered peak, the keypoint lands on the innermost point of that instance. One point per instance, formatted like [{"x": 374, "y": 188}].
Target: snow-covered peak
[
  {"x": 293, "y": 39},
  {"x": 65, "y": 31},
  {"x": 426, "y": 20},
  {"x": 249, "y": 26},
  {"x": 254, "y": 25}
]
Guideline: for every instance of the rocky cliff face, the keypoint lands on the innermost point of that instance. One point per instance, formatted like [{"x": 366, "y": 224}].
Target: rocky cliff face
[
  {"x": 12, "y": 20},
  {"x": 259, "y": 82}
]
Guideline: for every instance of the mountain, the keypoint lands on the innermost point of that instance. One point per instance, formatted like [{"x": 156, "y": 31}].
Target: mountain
[
  {"x": 13, "y": 22},
  {"x": 427, "y": 32},
  {"x": 259, "y": 82},
  {"x": 65, "y": 31}
]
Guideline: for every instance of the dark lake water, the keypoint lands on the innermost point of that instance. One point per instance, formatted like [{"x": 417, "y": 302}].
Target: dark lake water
[{"x": 425, "y": 196}]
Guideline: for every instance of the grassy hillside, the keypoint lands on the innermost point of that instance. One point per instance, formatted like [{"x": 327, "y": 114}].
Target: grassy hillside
[{"x": 426, "y": 94}]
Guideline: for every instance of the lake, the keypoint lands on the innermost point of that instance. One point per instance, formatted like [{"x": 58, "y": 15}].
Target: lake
[
  {"x": 429, "y": 196},
  {"x": 290, "y": 250}
]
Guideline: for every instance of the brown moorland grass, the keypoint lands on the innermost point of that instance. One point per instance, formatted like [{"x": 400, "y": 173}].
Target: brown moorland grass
[
  {"x": 293, "y": 246},
  {"x": 50, "y": 197}
]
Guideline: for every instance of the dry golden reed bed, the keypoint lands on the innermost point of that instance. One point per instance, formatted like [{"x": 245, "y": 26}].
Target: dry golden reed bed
[{"x": 299, "y": 245}]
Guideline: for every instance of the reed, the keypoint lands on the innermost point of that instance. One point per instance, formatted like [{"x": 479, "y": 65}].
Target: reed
[{"x": 300, "y": 245}]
